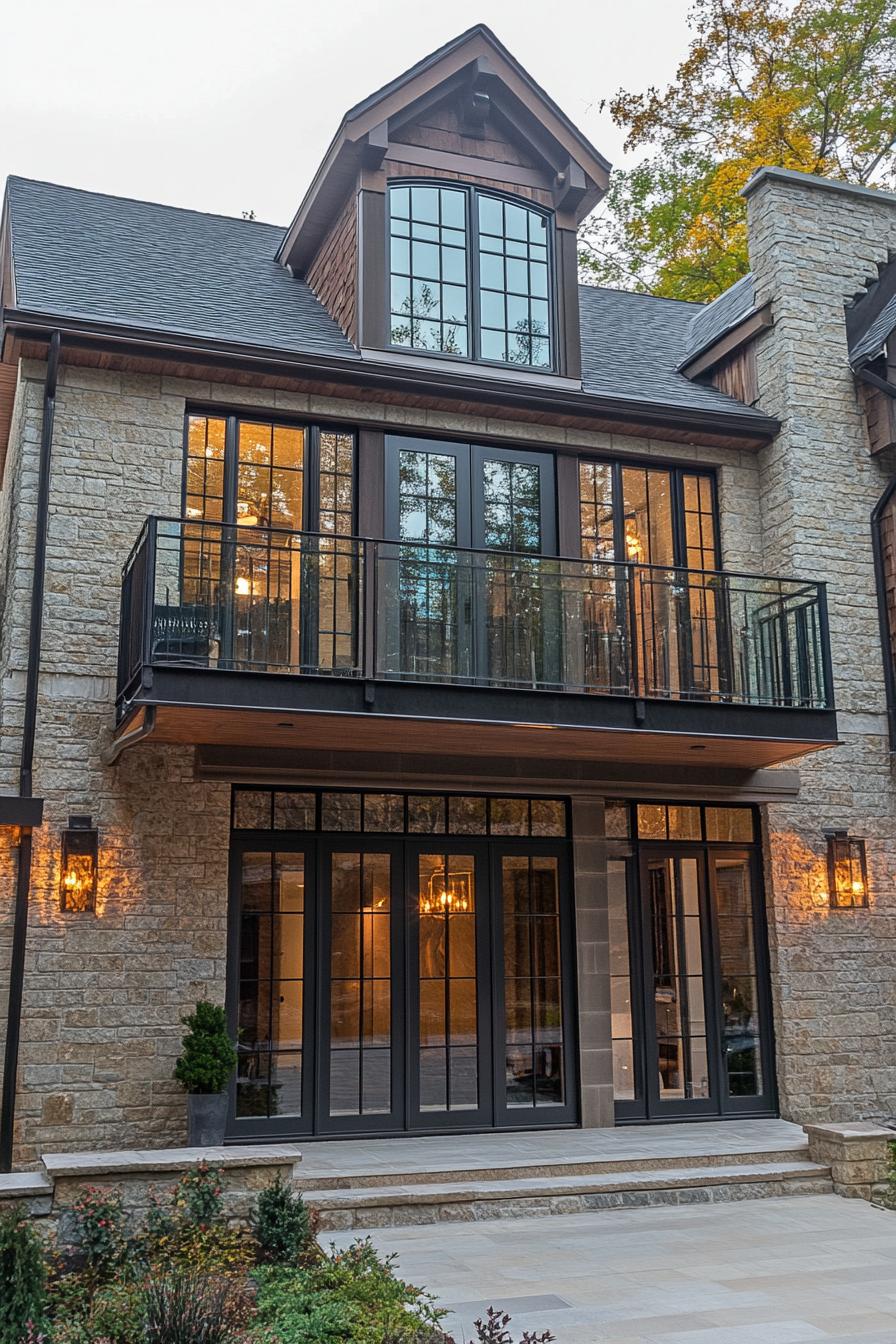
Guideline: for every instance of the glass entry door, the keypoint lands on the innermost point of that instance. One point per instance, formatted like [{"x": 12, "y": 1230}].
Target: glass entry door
[
  {"x": 689, "y": 977},
  {"x": 466, "y": 601},
  {"x": 387, "y": 985},
  {"x": 678, "y": 985}
]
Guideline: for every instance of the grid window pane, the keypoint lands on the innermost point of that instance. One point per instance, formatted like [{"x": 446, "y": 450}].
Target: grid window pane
[
  {"x": 271, "y": 984},
  {"x": 429, "y": 271},
  {"x": 533, "y": 1019},
  {"x": 360, "y": 984},
  {"x": 448, "y": 1013},
  {"x": 513, "y": 260}
]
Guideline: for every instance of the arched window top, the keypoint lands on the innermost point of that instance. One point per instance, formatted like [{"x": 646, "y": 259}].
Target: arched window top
[{"x": 471, "y": 275}]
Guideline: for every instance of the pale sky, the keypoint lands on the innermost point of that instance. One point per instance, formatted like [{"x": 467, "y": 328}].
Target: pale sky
[{"x": 229, "y": 105}]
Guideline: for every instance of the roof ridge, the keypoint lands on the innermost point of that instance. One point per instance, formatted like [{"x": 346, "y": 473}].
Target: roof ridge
[
  {"x": 644, "y": 294},
  {"x": 141, "y": 200}
]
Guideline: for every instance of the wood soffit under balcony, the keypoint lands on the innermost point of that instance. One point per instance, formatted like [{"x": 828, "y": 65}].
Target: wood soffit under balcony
[{"x": 191, "y": 725}]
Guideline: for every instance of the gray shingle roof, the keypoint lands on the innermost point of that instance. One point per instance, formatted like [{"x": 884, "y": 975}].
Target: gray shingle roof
[
  {"x": 713, "y": 320},
  {"x": 156, "y": 268},
  {"x": 869, "y": 344},
  {"x": 132, "y": 263},
  {"x": 632, "y": 345}
]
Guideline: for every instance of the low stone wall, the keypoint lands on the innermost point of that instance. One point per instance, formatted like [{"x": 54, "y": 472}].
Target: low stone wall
[
  {"x": 857, "y": 1154},
  {"x": 138, "y": 1176}
]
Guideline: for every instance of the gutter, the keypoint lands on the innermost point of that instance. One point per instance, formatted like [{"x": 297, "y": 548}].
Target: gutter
[
  {"x": 389, "y": 377},
  {"x": 26, "y": 766}
]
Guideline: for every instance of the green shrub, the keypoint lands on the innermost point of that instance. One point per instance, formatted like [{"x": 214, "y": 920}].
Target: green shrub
[
  {"x": 99, "y": 1229},
  {"x": 23, "y": 1279},
  {"x": 208, "y": 1057},
  {"x": 116, "y": 1313},
  {"x": 182, "y": 1307},
  {"x": 191, "y": 1233},
  {"x": 349, "y": 1296},
  {"x": 282, "y": 1224},
  {"x": 493, "y": 1330},
  {"x": 198, "y": 1193}
]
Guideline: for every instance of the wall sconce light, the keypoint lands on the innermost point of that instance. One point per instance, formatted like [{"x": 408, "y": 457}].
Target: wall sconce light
[
  {"x": 78, "y": 869},
  {"x": 847, "y": 871}
]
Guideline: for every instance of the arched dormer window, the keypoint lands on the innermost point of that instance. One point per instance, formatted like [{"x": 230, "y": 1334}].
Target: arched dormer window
[{"x": 470, "y": 275}]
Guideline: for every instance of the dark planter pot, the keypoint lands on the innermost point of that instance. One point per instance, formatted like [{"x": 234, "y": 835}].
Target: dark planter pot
[{"x": 206, "y": 1119}]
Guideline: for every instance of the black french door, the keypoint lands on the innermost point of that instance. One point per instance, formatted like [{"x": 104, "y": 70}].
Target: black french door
[
  {"x": 469, "y": 596},
  {"x": 695, "y": 1034},
  {"x": 386, "y": 986}
]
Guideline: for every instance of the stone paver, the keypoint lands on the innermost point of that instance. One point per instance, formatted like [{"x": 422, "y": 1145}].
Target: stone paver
[
  {"x": 634, "y": 1143},
  {"x": 775, "y": 1271}
]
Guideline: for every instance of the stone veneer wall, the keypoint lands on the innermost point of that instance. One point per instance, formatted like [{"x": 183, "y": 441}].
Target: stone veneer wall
[
  {"x": 104, "y": 995},
  {"x": 834, "y": 973}
]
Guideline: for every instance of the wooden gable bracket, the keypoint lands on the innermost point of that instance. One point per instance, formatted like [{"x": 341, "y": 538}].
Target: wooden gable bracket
[
  {"x": 570, "y": 187},
  {"x": 374, "y": 146},
  {"x": 475, "y": 102}
]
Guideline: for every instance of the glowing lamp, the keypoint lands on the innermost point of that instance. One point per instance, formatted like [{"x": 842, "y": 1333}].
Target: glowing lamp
[
  {"x": 78, "y": 869},
  {"x": 847, "y": 871},
  {"x": 447, "y": 896}
]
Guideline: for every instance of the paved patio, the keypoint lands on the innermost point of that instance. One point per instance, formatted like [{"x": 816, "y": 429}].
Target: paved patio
[{"x": 776, "y": 1271}]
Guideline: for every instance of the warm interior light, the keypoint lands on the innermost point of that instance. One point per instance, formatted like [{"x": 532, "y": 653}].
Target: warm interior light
[
  {"x": 451, "y": 894},
  {"x": 634, "y": 547},
  {"x": 248, "y": 520},
  {"x": 242, "y": 586},
  {"x": 847, "y": 871},
  {"x": 78, "y": 867}
]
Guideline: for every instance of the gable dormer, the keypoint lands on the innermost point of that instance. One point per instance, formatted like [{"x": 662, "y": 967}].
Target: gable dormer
[{"x": 442, "y": 222}]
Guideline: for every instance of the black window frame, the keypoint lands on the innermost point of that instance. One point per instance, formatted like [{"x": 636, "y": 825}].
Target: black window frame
[
  {"x": 471, "y": 193},
  {"x": 677, "y": 473},
  {"x": 311, "y": 468}
]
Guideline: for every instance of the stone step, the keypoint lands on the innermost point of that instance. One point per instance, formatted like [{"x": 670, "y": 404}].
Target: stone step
[
  {"x": 467, "y": 1201},
  {"x": 362, "y": 1177}
]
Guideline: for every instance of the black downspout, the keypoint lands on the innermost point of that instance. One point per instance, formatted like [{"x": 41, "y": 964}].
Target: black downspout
[{"x": 26, "y": 768}]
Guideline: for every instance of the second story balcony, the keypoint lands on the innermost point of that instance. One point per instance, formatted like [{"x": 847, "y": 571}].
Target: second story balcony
[{"x": 235, "y": 635}]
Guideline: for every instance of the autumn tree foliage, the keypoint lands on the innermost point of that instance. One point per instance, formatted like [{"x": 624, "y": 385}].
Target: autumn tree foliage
[{"x": 806, "y": 84}]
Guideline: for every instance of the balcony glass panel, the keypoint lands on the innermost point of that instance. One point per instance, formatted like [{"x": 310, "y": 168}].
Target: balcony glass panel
[{"x": 219, "y": 596}]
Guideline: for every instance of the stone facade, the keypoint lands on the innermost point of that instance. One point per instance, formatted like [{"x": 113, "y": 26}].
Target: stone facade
[
  {"x": 812, "y": 246},
  {"x": 104, "y": 995}
]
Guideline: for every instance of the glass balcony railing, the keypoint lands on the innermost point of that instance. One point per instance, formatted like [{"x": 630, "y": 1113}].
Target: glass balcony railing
[{"x": 214, "y": 596}]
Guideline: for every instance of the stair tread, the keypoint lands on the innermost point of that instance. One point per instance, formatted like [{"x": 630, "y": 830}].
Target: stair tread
[
  {"x": 657, "y": 1178},
  {"x": 348, "y": 1178}
]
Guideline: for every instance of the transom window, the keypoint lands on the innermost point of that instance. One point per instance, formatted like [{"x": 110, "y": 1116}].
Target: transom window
[
  {"x": 258, "y": 809},
  {"x": 470, "y": 275}
]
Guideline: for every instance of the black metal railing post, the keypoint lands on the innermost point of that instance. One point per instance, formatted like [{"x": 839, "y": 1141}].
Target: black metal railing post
[{"x": 323, "y": 604}]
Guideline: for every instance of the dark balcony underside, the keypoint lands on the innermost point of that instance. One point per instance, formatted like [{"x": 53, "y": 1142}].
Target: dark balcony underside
[{"x": 198, "y": 707}]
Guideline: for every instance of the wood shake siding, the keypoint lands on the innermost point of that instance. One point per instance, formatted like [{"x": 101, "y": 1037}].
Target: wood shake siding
[
  {"x": 442, "y": 130},
  {"x": 333, "y": 273},
  {"x": 736, "y": 375}
]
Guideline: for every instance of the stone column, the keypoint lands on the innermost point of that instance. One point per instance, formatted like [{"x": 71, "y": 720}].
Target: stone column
[
  {"x": 857, "y": 1154},
  {"x": 593, "y": 961}
]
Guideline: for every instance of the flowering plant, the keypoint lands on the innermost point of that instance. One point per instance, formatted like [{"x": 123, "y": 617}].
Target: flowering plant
[{"x": 99, "y": 1227}]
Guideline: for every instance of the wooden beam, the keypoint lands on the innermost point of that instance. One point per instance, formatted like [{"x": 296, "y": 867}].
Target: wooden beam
[{"x": 745, "y": 331}]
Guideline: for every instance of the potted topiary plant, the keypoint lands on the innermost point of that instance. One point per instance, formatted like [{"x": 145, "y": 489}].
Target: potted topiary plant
[{"x": 204, "y": 1068}]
